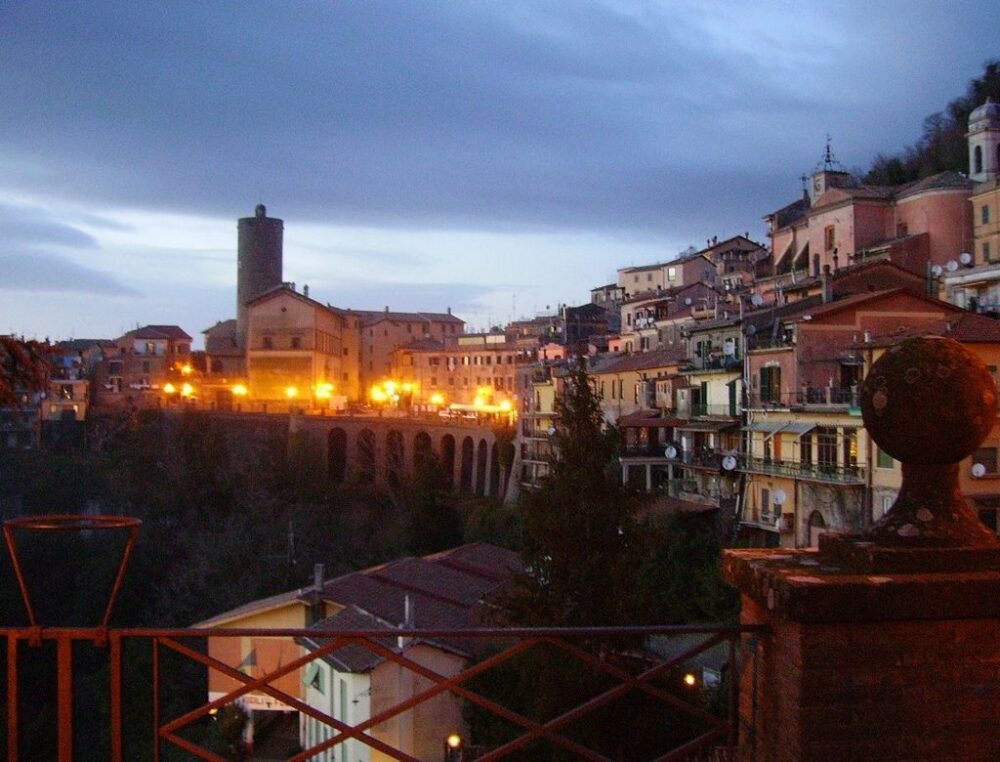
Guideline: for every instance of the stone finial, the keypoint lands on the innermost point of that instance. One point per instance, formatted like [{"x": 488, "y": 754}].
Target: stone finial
[{"x": 929, "y": 403}]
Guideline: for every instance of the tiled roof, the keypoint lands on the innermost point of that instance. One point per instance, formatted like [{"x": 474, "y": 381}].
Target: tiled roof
[
  {"x": 643, "y": 360},
  {"x": 161, "y": 332},
  {"x": 428, "y": 344},
  {"x": 942, "y": 180},
  {"x": 965, "y": 327},
  {"x": 371, "y": 317},
  {"x": 222, "y": 329},
  {"x": 445, "y": 588}
]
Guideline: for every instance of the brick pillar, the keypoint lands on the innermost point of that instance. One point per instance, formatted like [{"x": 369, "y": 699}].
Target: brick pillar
[
  {"x": 867, "y": 666},
  {"x": 886, "y": 646}
]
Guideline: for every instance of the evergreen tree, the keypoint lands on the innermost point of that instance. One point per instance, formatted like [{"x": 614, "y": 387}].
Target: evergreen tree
[
  {"x": 942, "y": 146},
  {"x": 580, "y": 552}
]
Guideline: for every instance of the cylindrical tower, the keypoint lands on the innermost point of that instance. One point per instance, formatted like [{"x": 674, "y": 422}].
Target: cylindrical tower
[{"x": 259, "y": 262}]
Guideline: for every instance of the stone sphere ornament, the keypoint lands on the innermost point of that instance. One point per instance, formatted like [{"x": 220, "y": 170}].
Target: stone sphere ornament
[{"x": 929, "y": 402}]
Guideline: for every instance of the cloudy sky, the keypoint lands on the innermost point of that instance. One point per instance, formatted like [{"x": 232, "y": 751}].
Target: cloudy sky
[{"x": 494, "y": 157}]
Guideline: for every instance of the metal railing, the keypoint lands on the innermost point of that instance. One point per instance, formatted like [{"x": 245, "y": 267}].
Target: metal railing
[
  {"x": 618, "y": 661},
  {"x": 810, "y": 471},
  {"x": 820, "y": 397},
  {"x": 635, "y": 692}
]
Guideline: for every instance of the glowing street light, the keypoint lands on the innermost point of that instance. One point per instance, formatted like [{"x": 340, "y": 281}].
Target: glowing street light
[
  {"x": 690, "y": 680},
  {"x": 239, "y": 390},
  {"x": 187, "y": 390},
  {"x": 437, "y": 399},
  {"x": 291, "y": 392},
  {"x": 169, "y": 388},
  {"x": 324, "y": 390}
]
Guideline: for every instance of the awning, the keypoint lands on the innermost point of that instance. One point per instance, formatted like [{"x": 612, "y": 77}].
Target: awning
[
  {"x": 768, "y": 427},
  {"x": 798, "y": 428},
  {"x": 707, "y": 425}
]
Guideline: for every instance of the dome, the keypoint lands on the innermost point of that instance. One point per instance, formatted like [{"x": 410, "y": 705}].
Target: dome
[{"x": 988, "y": 112}]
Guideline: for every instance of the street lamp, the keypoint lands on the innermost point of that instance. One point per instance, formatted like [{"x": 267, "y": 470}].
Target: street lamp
[{"x": 453, "y": 748}]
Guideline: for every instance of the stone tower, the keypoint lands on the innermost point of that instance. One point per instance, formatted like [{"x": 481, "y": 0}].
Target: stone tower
[
  {"x": 259, "y": 252},
  {"x": 984, "y": 142}
]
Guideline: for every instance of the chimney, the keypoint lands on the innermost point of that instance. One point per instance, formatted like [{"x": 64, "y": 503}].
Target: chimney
[
  {"x": 387, "y": 309},
  {"x": 826, "y": 284},
  {"x": 316, "y": 610},
  {"x": 305, "y": 291},
  {"x": 408, "y": 618}
]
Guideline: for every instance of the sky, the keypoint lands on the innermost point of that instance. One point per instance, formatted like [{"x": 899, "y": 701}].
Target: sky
[{"x": 498, "y": 158}]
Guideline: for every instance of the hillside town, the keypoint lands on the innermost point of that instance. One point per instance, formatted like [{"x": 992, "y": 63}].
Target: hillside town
[{"x": 731, "y": 372}]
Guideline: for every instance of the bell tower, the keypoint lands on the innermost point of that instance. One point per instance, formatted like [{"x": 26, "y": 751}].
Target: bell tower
[{"x": 984, "y": 142}]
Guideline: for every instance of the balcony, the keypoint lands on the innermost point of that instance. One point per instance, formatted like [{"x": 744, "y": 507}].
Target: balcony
[
  {"x": 825, "y": 397},
  {"x": 807, "y": 471}
]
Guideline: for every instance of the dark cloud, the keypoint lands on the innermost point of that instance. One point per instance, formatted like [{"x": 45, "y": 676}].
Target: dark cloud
[
  {"x": 499, "y": 116},
  {"x": 42, "y": 271},
  {"x": 30, "y": 225}
]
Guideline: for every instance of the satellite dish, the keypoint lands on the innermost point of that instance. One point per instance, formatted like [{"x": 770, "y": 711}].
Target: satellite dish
[
  {"x": 756, "y": 300},
  {"x": 936, "y": 270},
  {"x": 687, "y": 302},
  {"x": 729, "y": 463},
  {"x": 978, "y": 469},
  {"x": 780, "y": 497},
  {"x": 952, "y": 265},
  {"x": 965, "y": 258},
  {"x": 751, "y": 330},
  {"x": 552, "y": 430},
  {"x": 670, "y": 451}
]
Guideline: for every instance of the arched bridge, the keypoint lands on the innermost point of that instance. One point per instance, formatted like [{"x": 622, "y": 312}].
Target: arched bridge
[{"x": 386, "y": 451}]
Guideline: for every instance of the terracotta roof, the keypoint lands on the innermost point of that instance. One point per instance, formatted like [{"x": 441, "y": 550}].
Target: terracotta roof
[
  {"x": 942, "y": 180},
  {"x": 643, "y": 360},
  {"x": 371, "y": 317},
  {"x": 446, "y": 588},
  {"x": 647, "y": 419},
  {"x": 965, "y": 327},
  {"x": 425, "y": 344},
  {"x": 161, "y": 332}
]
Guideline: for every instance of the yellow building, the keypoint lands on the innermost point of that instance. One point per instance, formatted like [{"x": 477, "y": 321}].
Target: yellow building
[{"x": 300, "y": 353}]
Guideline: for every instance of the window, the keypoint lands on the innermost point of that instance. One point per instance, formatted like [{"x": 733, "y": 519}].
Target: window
[
  {"x": 826, "y": 440},
  {"x": 345, "y": 352},
  {"x": 150, "y": 348},
  {"x": 268, "y": 342},
  {"x": 296, "y": 342},
  {"x": 145, "y": 366},
  {"x": 770, "y": 384},
  {"x": 806, "y": 450},
  {"x": 901, "y": 230},
  {"x": 986, "y": 251},
  {"x": 649, "y": 277},
  {"x": 671, "y": 273},
  {"x": 829, "y": 233},
  {"x": 985, "y": 214},
  {"x": 884, "y": 459},
  {"x": 850, "y": 448},
  {"x": 765, "y": 504},
  {"x": 977, "y": 160}
]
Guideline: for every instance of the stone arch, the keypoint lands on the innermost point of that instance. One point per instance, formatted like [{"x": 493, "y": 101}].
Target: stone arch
[
  {"x": 816, "y": 526},
  {"x": 481, "y": 462},
  {"x": 336, "y": 455},
  {"x": 494, "y": 471},
  {"x": 468, "y": 458},
  {"x": 423, "y": 449},
  {"x": 448, "y": 460},
  {"x": 395, "y": 457},
  {"x": 367, "y": 463},
  {"x": 509, "y": 451}
]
